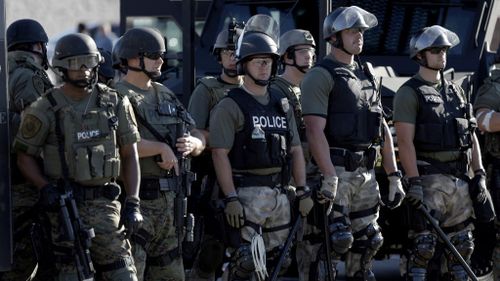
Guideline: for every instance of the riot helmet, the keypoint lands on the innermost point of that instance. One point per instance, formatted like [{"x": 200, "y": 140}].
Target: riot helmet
[
  {"x": 344, "y": 18},
  {"x": 74, "y": 51},
  {"x": 139, "y": 43},
  {"x": 431, "y": 37},
  {"x": 226, "y": 42},
  {"x": 260, "y": 37},
  {"x": 288, "y": 42},
  {"x": 106, "y": 71},
  {"x": 115, "y": 59},
  {"x": 22, "y": 34}
]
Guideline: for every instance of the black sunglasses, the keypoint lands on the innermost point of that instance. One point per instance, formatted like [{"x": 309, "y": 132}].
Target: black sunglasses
[
  {"x": 153, "y": 56},
  {"x": 437, "y": 50}
]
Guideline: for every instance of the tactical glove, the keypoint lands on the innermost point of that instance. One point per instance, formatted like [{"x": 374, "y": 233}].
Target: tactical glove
[
  {"x": 234, "y": 212},
  {"x": 477, "y": 188},
  {"x": 131, "y": 216},
  {"x": 415, "y": 194},
  {"x": 328, "y": 189},
  {"x": 49, "y": 196},
  {"x": 305, "y": 201},
  {"x": 396, "y": 192}
]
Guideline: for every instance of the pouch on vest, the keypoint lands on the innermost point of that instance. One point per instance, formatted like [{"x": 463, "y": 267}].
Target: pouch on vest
[
  {"x": 82, "y": 168},
  {"x": 277, "y": 148},
  {"x": 97, "y": 160},
  {"x": 343, "y": 125},
  {"x": 257, "y": 152},
  {"x": 464, "y": 137},
  {"x": 429, "y": 134},
  {"x": 111, "y": 166}
]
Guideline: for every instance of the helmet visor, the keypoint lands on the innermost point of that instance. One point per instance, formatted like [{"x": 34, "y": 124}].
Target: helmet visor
[
  {"x": 264, "y": 24},
  {"x": 436, "y": 36},
  {"x": 354, "y": 17},
  {"x": 87, "y": 61}
]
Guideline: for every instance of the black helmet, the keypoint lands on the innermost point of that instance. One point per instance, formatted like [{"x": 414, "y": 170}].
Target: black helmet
[
  {"x": 222, "y": 41},
  {"x": 433, "y": 36},
  {"x": 347, "y": 17},
  {"x": 115, "y": 59},
  {"x": 256, "y": 43},
  {"x": 139, "y": 41},
  {"x": 105, "y": 69},
  {"x": 25, "y": 31}
]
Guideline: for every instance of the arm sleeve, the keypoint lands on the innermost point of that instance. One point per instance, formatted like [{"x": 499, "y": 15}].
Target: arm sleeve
[
  {"x": 315, "y": 89},
  {"x": 199, "y": 106},
  {"x": 405, "y": 105},
  {"x": 127, "y": 132},
  {"x": 33, "y": 131},
  {"x": 226, "y": 119}
]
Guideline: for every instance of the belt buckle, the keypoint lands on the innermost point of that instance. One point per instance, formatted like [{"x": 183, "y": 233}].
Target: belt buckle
[{"x": 163, "y": 184}]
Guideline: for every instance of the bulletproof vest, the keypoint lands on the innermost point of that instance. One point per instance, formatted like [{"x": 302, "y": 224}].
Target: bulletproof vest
[
  {"x": 40, "y": 79},
  {"x": 90, "y": 142},
  {"x": 217, "y": 90},
  {"x": 293, "y": 95},
  {"x": 442, "y": 122},
  {"x": 163, "y": 116},
  {"x": 264, "y": 141},
  {"x": 492, "y": 139},
  {"x": 355, "y": 114}
]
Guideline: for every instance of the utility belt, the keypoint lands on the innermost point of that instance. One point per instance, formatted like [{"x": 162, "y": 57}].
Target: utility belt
[
  {"x": 247, "y": 180},
  {"x": 110, "y": 191},
  {"x": 151, "y": 188},
  {"x": 352, "y": 160},
  {"x": 458, "y": 168}
]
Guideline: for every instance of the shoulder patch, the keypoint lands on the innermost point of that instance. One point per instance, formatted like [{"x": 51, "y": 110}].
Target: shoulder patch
[
  {"x": 38, "y": 84},
  {"x": 31, "y": 126}
]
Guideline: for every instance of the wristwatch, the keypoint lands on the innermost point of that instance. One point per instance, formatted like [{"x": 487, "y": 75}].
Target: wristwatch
[
  {"x": 304, "y": 188},
  {"x": 396, "y": 174}
]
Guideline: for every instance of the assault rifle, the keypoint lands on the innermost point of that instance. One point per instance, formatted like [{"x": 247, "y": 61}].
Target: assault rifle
[
  {"x": 75, "y": 232},
  {"x": 183, "y": 220}
]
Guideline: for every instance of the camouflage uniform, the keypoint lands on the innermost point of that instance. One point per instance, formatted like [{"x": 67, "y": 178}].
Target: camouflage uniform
[
  {"x": 27, "y": 82},
  {"x": 95, "y": 193},
  {"x": 488, "y": 98},
  {"x": 155, "y": 246}
]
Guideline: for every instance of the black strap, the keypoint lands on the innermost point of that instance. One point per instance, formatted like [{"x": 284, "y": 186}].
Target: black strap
[
  {"x": 150, "y": 128},
  {"x": 121, "y": 263},
  {"x": 165, "y": 259},
  {"x": 457, "y": 227},
  {"x": 356, "y": 214},
  {"x": 257, "y": 226},
  {"x": 60, "y": 142}
]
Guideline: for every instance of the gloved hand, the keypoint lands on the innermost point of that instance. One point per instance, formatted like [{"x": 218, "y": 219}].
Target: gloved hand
[
  {"x": 49, "y": 196},
  {"x": 415, "y": 194},
  {"x": 131, "y": 216},
  {"x": 396, "y": 192},
  {"x": 328, "y": 189},
  {"x": 305, "y": 201},
  {"x": 477, "y": 188},
  {"x": 235, "y": 214}
]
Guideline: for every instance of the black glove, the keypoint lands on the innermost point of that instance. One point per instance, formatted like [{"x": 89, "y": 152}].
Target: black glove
[
  {"x": 49, "y": 197},
  {"x": 477, "y": 188},
  {"x": 131, "y": 217},
  {"x": 415, "y": 194}
]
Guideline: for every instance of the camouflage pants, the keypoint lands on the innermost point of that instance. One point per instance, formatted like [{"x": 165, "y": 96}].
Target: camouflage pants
[
  {"x": 24, "y": 198},
  {"x": 357, "y": 191},
  {"x": 108, "y": 245},
  {"x": 159, "y": 224}
]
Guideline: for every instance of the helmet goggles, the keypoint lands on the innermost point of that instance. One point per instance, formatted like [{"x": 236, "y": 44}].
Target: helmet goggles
[{"x": 87, "y": 61}]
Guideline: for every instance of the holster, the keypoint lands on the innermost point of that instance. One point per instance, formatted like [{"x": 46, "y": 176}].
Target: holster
[
  {"x": 152, "y": 188},
  {"x": 110, "y": 191},
  {"x": 352, "y": 160}
]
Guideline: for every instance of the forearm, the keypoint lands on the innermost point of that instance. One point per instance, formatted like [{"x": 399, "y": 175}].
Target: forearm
[
  {"x": 148, "y": 148},
  {"x": 320, "y": 150},
  {"x": 298, "y": 166},
  {"x": 223, "y": 170},
  {"x": 488, "y": 120},
  {"x": 408, "y": 158},
  {"x": 388, "y": 155},
  {"x": 477, "y": 163},
  {"x": 130, "y": 170},
  {"x": 199, "y": 141},
  {"x": 30, "y": 170}
]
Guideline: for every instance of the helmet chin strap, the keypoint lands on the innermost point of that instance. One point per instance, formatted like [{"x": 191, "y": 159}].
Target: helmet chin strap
[
  {"x": 151, "y": 74},
  {"x": 86, "y": 84},
  {"x": 302, "y": 69},
  {"x": 259, "y": 82},
  {"x": 423, "y": 62},
  {"x": 230, "y": 72},
  {"x": 339, "y": 44}
]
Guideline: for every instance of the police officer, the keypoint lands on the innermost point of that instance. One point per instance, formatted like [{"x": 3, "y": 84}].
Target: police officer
[
  {"x": 343, "y": 115},
  {"x": 84, "y": 131},
  {"x": 106, "y": 70},
  {"x": 159, "y": 114},
  {"x": 436, "y": 141},
  {"x": 205, "y": 96},
  {"x": 27, "y": 62},
  {"x": 253, "y": 135},
  {"x": 487, "y": 108}
]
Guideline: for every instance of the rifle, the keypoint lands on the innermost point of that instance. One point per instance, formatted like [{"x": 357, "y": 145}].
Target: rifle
[
  {"x": 447, "y": 242},
  {"x": 288, "y": 243},
  {"x": 183, "y": 220},
  {"x": 75, "y": 232},
  {"x": 328, "y": 253}
]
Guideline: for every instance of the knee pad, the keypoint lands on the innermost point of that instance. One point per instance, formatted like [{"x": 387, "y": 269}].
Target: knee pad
[
  {"x": 362, "y": 275},
  {"x": 341, "y": 237},
  {"x": 422, "y": 252},
  {"x": 368, "y": 248},
  {"x": 123, "y": 269},
  {"x": 242, "y": 265},
  {"x": 211, "y": 255},
  {"x": 272, "y": 258},
  {"x": 464, "y": 243}
]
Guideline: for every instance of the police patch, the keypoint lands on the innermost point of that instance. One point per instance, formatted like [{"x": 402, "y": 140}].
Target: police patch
[
  {"x": 38, "y": 84},
  {"x": 31, "y": 126},
  {"x": 285, "y": 105}
]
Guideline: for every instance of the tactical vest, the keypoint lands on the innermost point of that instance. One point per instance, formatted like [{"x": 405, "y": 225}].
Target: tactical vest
[
  {"x": 217, "y": 90},
  {"x": 293, "y": 95},
  {"x": 492, "y": 139},
  {"x": 355, "y": 114},
  {"x": 41, "y": 81},
  {"x": 90, "y": 142},
  {"x": 163, "y": 116},
  {"x": 268, "y": 148},
  {"x": 441, "y": 125}
]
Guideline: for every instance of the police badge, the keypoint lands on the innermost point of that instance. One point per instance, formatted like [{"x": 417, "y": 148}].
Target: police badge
[{"x": 285, "y": 105}]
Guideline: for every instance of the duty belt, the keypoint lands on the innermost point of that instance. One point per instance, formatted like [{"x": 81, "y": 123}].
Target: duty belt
[
  {"x": 247, "y": 180},
  {"x": 352, "y": 160},
  {"x": 85, "y": 192},
  {"x": 457, "y": 168},
  {"x": 151, "y": 188}
]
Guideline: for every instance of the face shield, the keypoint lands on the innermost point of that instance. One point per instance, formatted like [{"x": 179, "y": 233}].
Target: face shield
[
  {"x": 87, "y": 61},
  {"x": 434, "y": 36},
  {"x": 354, "y": 17},
  {"x": 260, "y": 24}
]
